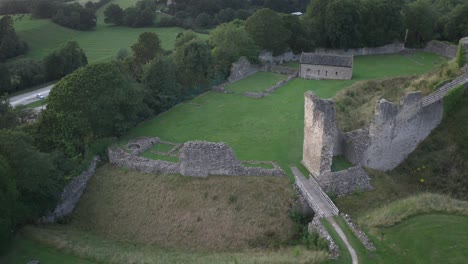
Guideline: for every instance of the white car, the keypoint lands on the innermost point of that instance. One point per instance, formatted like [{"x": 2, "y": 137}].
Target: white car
[{"x": 39, "y": 96}]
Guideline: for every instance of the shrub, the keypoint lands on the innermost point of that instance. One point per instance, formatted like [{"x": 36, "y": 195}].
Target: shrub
[
  {"x": 453, "y": 99},
  {"x": 461, "y": 56}
]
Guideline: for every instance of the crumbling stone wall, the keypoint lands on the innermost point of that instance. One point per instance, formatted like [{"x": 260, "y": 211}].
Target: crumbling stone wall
[
  {"x": 242, "y": 69},
  {"x": 71, "y": 195},
  {"x": 464, "y": 43},
  {"x": 397, "y": 129},
  {"x": 197, "y": 159},
  {"x": 320, "y": 134},
  {"x": 345, "y": 181},
  {"x": 387, "y": 49},
  {"x": 317, "y": 226},
  {"x": 442, "y": 48}
]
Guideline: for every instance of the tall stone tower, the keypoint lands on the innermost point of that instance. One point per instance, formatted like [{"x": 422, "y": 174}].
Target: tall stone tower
[{"x": 320, "y": 134}]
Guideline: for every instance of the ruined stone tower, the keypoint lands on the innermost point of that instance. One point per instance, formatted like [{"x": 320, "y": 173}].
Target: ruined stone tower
[{"x": 320, "y": 134}]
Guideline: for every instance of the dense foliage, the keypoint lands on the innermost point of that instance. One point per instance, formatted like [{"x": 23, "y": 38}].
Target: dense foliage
[
  {"x": 10, "y": 45},
  {"x": 30, "y": 180},
  {"x": 25, "y": 73},
  {"x": 64, "y": 61},
  {"x": 95, "y": 101},
  {"x": 75, "y": 16},
  {"x": 229, "y": 42}
]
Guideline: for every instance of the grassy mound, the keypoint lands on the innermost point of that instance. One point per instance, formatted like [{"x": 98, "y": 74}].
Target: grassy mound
[
  {"x": 58, "y": 244},
  {"x": 426, "y": 203},
  {"x": 172, "y": 211}
]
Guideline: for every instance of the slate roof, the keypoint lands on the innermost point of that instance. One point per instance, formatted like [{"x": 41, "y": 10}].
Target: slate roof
[{"x": 327, "y": 60}]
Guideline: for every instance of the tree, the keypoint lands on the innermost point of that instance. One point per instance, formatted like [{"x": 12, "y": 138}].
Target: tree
[
  {"x": 95, "y": 101},
  {"x": 226, "y": 15},
  {"x": 230, "y": 41},
  {"x": 456, "y": 25},
  {"x": 75, "y": 16},
  {"x": 43, "y": 9},
  {"x": 461, "y": 55},
  {"x": 26, "y": 73},
  {"x": 299, "y": 40},
  {"x": 193, "y": 60},
  {"x": 147, "y": 47},
  {"x": 64, "y": 61},
  {"x": 161, "y": 87},
  {"x": 5, "y": 80},
  {"x": 343, "y": 24},
  {"x": 8, "y": 117},
  {"x": 420, "y": 19},
  {"x": 114, "y": 15},
  {"x": 122, "y": 54},
  {"x": 8, "y": 198},
  {"x": 382, "y": 21},
  {"x": 267, "y": 30},
  {"x": 203, "y": 20},
  {"x": 10, "y": 45}
]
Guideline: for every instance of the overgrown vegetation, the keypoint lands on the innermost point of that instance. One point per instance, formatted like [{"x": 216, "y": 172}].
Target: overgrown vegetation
[
  {"x": 440, "y": 163},
  {"x": 355, "y": 106},
  {"x": 173, "y": 211}
]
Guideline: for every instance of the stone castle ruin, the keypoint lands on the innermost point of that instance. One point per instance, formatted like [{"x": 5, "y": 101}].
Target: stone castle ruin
[
  {"x": 394, "y": 132},
  {"x": 196, "y": 159}
]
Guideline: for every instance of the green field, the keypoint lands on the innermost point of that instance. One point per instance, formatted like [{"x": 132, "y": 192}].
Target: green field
[
  {"x": 270, "y": 128},
  {"x": 101, "y": 44}
]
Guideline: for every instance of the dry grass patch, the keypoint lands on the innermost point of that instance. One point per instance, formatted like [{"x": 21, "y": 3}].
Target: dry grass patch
[{"x": 173, "y": 211}]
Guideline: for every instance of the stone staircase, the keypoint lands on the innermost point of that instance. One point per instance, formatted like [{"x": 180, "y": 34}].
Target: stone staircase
[
  {"x": 440, "y": 93},
  {"x": 317, "y": 199}
]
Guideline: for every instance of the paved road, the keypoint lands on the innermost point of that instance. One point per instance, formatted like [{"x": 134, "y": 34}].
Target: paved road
[{"x": 30, "y": 97}]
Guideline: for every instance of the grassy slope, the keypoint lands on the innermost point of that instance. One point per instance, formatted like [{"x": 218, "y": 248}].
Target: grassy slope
[
  {"x": 270, "y": 128},
  {"x": 172, "y": 211},
  {"x": 101, "y": 44},
  {"x": 424, "y": 239},
  {"x": 262, "y": 81},
  {"x": 88, "y": 246},
  {"x": 24, "y": 250}
]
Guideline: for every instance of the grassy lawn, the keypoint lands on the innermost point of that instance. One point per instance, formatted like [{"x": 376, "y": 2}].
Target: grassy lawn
[
  {"x": 259, "y": 83},
  {"x": 99, "y": 45},
  {"x": 340, "y": 163},
  {"x": 35, "y": 104},
  {"x": 426, "y": 239},
  {"x": 270, "y": 128}
]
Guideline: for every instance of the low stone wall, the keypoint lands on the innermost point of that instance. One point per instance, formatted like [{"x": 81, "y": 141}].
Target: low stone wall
[
  {"x": 317, "y": 226},
  {"x": 268, "y": 58},
  {"x": 122, "y": 159},
  {"x": 271, "y": 89},
  {"x": 387, "y": 49},
  {"x": 345, "y": 181},
  {"x": 71, "y": 195},
  {"x": 242, "y": 69},
  {"x": 442, "y": 48},
  {"x": 359, "y": 233},
  {"x": 283, "y": 70},
  {"x": 197, "y": 159}
]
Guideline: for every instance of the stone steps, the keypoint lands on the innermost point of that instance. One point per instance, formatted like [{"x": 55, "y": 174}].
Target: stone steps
[{"x": 440, "y": 93}]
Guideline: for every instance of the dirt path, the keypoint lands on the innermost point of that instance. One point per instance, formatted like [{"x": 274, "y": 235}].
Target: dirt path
[{"x": 343, "y": 237}]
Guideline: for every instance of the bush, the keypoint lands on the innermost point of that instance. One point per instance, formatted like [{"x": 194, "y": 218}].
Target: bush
[
  {"x": 453, "y": 99},
  {"x": 461, "y": 56}
]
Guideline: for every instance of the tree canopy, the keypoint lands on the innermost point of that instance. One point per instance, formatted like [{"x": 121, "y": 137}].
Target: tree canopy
[{"x": 267, "y": 29}]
